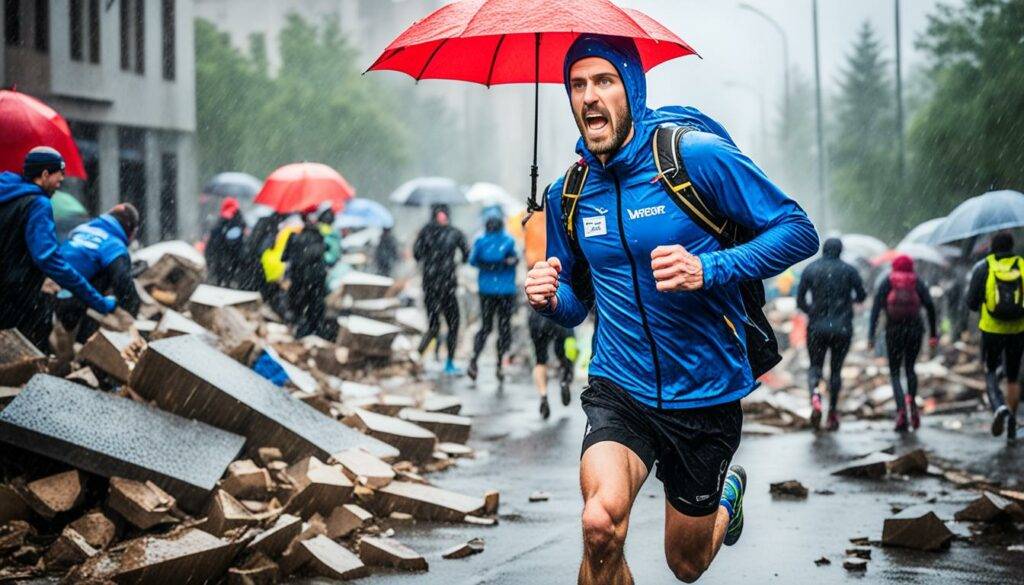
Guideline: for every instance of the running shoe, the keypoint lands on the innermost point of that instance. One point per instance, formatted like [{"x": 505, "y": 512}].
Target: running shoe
[
  {"x": 545, "y": 409},
  {"x": 816, "y": 411},
  {"x": 732, "y": 498},
  {"x": 999, "y": 420},
  {"x": 915, "y": 417},
  {"x": 450, "y": 369},
  {"x": 471, "y": 370},
  {"x": 566, "y": 395},
  {"x": 901, "y": 421},
  {"x": 833, "y": 422}
]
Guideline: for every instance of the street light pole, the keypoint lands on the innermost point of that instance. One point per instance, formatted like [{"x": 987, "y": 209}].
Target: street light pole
[
  {"x": 822, "y": 195},
  {"x": 899, "y": 96},
  {"x": 785, "y": 49}
]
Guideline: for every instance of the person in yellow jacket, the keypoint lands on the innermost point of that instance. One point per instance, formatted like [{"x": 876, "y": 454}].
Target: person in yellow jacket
[
  {"x": 274, "y": 266},
  {"x": 997, "y": 290}
]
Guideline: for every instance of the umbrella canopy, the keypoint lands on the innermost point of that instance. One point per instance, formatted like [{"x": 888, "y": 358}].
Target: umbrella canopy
[
  {"x": 361, "y": 213},
  {"x": 519, "y": 41},
  {"x": 238, "y": 185},
  {"x": 300, "y": 186},
  {"x": 428, "y": 191},
  {"x": 984, "y": 214},
  {"x": 28, "y": 123},
  {"x": 862, "y": 246},
  {"x": 491, "y": 195},
  {"x": 921, "y": 233},
  {"x": 919, "y": 252},
  {"x": 65, "y": 205}
]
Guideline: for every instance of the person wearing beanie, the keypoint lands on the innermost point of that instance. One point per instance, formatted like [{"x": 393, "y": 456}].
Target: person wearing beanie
[
  {"x": 98, "y": 250},
  {"x": 900, "y": 297},
  {"x": 307, "y": 271},
  {"x": 30, "y": 251},
  {"x": 225, "y": 247},
  {"x": 494, "y": 255},
  {"x": 834, "y": 286},
  {"x": 435, "y": 249},
  {"x": 996, "y": 290}
]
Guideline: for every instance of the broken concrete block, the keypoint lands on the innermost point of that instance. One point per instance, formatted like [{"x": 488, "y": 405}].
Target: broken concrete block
[
  {"x": 455, "y": 450},
  {"x": 366, "y": 337},
  {"x": 363, "y": 285},
  {"x": 442, "y": 404},
  {"x": 71, "y": 423},
  {"x": 387, "y": 552},
  {"x": 228, "y": 324},
  {"x": 142, "y": 504},
  {"x": 174, "y": 324},
  {"x": 225, "y": 513},
  {"x": 386, "y": 404},
  {"x": 319, "y": 488},
  {"x": 873, "y": 466},
  {"x": 13, "y": 535},
  {"x": 84, "y": 376},
  {"x": 912, "y": 463},
  {"x": 12, "y": 505},
  {"x": 106, "y": 350},
  {"x": 413, "y": 441},
  {"x": 492, "y": 499},
  {"x": 329, "y": 559},
  {"x": 822, "y": 562},
  {"x": 449, "y": 428},
  {"x": 68, "y": 550},
  {"x": 258, "y": 570},
  {"x": 426, "y": 502},
  {"x": 790, "y": 489},
  {"x": 362, "y": 467},
  {"x": 917, "y": 529},
  {"x": 189, "y": 378},
  {"x": 855, "y": 565},
  {"x": 990, "y": 507},
  {"x": 207, "y": 295},
  {"x": 274, "y": 540},
  {"x": 55, "y": 494},
  {"x": 172, "y": 279},
  {"x": 539, "y": 497},
  {"x": 480, "y": 520},
  {"x": 860, "y": 552},
  {"x": 247, "y": 481},
  {"x": 189, "y": 556},
  {"x": 19, "y": 359},
  {"x": 96, "y": 529},
  {"x": 346, "y": 519},
  {"x": 268, "y": 454},
  {"x": 7, "y": 395},
  {"x": 466, "y": 549}
]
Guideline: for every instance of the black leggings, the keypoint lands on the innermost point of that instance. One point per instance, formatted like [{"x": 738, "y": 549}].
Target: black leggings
[
  {"x": 837, "y": 343},
  {"x": 999, "y": 349},
  {"x": 443, "y": 301},
  {"x": 491, "y": 305},
  {"x": 903, "y": 343}
]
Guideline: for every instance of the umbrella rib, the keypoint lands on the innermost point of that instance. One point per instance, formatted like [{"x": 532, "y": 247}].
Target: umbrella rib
[
  {"x": 494, "y": 60},
  {"x": 631, "y": 19},
  {"x": 431, "y": 58}
]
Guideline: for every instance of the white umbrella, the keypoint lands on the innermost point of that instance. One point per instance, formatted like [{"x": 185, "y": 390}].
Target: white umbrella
[
  {"x": 921, "y": 233},
  {"x": 489, "y": 194}
]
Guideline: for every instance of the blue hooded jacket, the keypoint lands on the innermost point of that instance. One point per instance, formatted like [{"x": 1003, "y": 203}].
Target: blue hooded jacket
[
  {"x": 92, "y": 246},
  {"x": 683, "y": 349},
  {"x": 494, "y": 254},
  {"x": 41, "y": 240}
]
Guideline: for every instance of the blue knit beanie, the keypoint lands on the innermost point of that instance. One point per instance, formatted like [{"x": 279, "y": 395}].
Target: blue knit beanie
[{"x": 42, "y": 158}]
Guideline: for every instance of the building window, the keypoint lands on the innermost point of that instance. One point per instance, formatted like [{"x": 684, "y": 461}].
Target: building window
[
  {"x": 140, "y": 37},
  {"x": 133, "y": 36},
  {"x": 87, "y": 139},
  {"x": 126, "y": 35},
  {"x": 75, "y": 28},
  {"x": 132, "y": 163},
  {"x": 42, "y": 25},
  {"x": 12, "y": 23},
  {"x": 94, "y": 31},
  {"x": 168, "y": 196},
  {"x": 167, "y": 18}
]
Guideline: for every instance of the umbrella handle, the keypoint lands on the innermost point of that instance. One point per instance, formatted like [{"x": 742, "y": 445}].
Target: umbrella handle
[{"x": 531, "y": 203}]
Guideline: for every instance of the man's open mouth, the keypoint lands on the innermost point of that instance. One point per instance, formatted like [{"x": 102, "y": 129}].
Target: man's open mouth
[{"x": 596, "y": 121}]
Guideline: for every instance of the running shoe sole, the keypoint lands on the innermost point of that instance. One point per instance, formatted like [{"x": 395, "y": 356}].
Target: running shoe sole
[{"x": 735, "y": 529}]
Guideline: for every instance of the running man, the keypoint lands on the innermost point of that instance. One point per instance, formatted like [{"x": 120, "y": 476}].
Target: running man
[
  {"x": 670, "y": 363},
  {"x": 834, "y": 286}
]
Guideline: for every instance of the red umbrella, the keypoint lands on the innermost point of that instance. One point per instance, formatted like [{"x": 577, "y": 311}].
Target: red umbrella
[
  {"x": 27, "y": 123},
  {"x": 300, "y": 186},
  {"x": 519, "y": 41}
]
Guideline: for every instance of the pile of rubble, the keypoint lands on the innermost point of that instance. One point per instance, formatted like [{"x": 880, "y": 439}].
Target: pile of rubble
[{"x": 203, "y": 442}]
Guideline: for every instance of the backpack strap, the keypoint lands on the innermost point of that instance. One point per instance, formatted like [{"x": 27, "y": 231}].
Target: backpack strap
[{"x": 572, "y": 189}]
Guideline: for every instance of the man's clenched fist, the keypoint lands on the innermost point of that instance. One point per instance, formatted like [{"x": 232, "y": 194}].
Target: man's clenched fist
[
  {"x": 542, "y": 284},
  {"x": 676, "y": 270}
]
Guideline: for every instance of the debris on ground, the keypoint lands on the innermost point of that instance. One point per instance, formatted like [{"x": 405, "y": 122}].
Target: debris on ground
[
  {"x": 918, "y": 529},
  {"x": 466, "y": 549},
  {"x": 788, "y": 489}
]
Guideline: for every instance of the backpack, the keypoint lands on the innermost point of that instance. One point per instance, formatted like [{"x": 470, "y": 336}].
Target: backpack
[
  {"x": 902, "y": 302},
  {"x": 1004, "y": 289},
  {"x": 762, "y": 346}
]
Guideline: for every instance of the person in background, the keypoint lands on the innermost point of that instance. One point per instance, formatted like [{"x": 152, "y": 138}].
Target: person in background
[
  {"x": 226, "y": 246},
  {"x": 259, "y": 239},
  {"x": 435, "y": 249},
  {"x": 901, "y": 297},
  {"x": 307, "y": 295},
  {"x": 98, "y": 250},
  {"x": 997, "y": 290},
  {"x": 332, "y": 239},
  {"x": 494, "y": 254},
  {"x": 834, "y": 286},
  {"x": 30, "y": 252},
  {"x": 387, "y": 252},
  {"x": 273, "y": 264}
]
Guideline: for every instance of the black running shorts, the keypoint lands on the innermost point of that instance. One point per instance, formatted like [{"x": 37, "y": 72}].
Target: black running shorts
[{"x": 693, "y": 447}]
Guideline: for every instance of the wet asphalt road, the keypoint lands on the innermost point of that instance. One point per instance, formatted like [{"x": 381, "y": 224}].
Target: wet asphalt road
[{"x": 541, "y": 542}]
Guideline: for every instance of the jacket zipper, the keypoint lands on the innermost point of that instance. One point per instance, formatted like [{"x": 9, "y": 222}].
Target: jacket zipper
[{"x": 636, "y": 289}]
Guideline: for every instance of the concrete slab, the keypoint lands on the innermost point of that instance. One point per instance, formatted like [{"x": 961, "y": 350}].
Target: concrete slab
[
  {"x": 344, "y": 520},
  {"x": 273, "y": 541},
  {"x": 916, "y": 528},
  {"x": 412, "y": 441},
  {"x": 449, "y": 428},
  {"x": 55, "y": 494},
  {"x": 388, "y": 552},
  {"x": 185, "y": 376},
  {"x": 426, "y": 502},
  {"x": 142, "y": 504},
  {"x": 105, "y": 350},
  {"x": 19, "y": 359},
  {"x": 364, "y": 468},
  {"x": 330, "y": 559},
  {"x": 71, "y": 423},
  {"x": 214, "y": 296},
  {"x": 184, "y": 557}
]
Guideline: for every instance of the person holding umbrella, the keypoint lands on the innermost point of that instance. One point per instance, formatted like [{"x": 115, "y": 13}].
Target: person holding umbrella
[
  {"x": 997, "y": 291},
  {"x": 30, "y": 252},
  {"x": 435, "y": 249},
  {"x": 676, "y": 345}
]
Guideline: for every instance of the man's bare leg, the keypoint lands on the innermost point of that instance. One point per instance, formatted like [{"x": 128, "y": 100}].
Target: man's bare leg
[
  {"x": 610, "y": 477},
  {"x": 691, "y": 543},
  {"x": 540, "y": 379}
]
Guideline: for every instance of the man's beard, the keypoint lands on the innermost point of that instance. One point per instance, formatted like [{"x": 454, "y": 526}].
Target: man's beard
[{"x": 620, "y": 130}]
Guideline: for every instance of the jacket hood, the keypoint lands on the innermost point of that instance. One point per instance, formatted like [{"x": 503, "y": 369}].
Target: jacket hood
[
  {"x": 903, "y": 263},
  {"x": 13, "y": 186},
  {"x": 621, "y": 52},
  {"x": 832, "y": 248},
  {"x": 228, "y": 207}
]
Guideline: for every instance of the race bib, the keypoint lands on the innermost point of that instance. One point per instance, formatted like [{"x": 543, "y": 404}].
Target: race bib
[{"x": 594, "y": 226}]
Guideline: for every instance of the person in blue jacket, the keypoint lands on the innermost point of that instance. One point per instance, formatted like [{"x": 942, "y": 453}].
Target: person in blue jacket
[
  {"x": 494, "y": 255},
  {"x": 670, "y": 363},
  {"x": 30, "y": 252},
  {"x": 98, "y": 250}
]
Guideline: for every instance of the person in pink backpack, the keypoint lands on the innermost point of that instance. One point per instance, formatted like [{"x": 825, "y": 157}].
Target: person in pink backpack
[{"x": 901, "y": 296}]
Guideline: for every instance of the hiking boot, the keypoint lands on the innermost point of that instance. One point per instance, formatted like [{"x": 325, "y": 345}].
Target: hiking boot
[
  {"x": 471, "y": 370},
  {"x": 566, "y": 395},
  {"x": 816, "y": 411},
  {"x": 1011, "y": 429},
  {"x": 545, "y": 409},
  {"x": 833, "y": 422},
  {"x": 901, "y": 421},
  {"x": 732, "y": 499},
  {"x": 915, "y": 417},
  {"x": 999, "y": 420}
]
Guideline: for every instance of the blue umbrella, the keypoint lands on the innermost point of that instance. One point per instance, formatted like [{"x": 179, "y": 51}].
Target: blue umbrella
[
  {"x": 361, "y": 212},
  {"x": 984, "y": 214}
]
